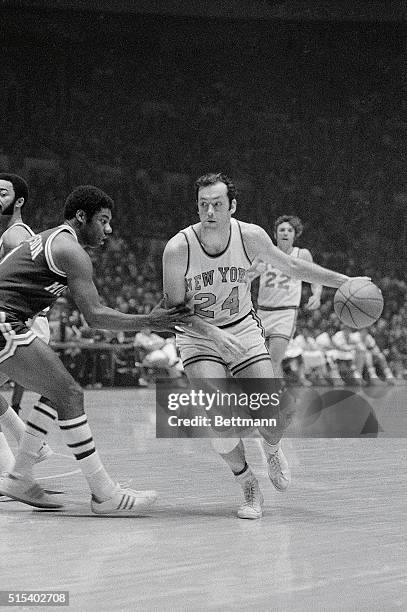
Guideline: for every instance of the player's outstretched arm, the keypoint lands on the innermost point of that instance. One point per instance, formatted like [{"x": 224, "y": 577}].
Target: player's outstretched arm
[
  {"x": 70, "y": 257},
  {"x": 262, "y": 251},
  {"x": 175, "y": 263},
  {"x": 314, "y": 301}
]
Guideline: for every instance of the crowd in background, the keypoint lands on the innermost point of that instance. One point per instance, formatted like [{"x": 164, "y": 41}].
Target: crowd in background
[
  {"x": 307, "y": 119},
  {"x": 131, "y": 282}
]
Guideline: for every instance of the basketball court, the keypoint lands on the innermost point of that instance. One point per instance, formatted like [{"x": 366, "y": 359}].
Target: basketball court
[{"x": 336, "y": 540}]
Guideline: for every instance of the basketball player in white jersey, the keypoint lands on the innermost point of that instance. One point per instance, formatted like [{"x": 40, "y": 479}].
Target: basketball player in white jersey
[
  {"x": 279, "y": 295},
  {"x": 208, "y": 266},
  {"x": 13, "y": 196}
]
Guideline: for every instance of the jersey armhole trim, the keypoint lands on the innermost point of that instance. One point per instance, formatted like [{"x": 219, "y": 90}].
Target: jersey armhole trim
[
  {"x": 48, "y": 254},
  {"x": 188, "y": 255},
  {"x": 243, "y": 244}
]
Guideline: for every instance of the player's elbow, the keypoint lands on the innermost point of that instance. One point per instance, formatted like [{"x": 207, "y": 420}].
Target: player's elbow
[
  {"x": 295, "y": 268},
  {"x": 94, "y": 317}
]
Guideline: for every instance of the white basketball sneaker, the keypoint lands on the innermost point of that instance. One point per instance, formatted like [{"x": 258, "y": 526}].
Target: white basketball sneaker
[
  {"x": 277, "y": 464},
  {"x": 44, "y": 453},
  {"x": 125, "y": 501},
  {"x": 26, "y": 491},
  {"x": 252, "y": 508}
]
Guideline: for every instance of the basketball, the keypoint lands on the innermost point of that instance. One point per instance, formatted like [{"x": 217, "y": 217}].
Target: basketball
[{"x": 358, "y": 303}]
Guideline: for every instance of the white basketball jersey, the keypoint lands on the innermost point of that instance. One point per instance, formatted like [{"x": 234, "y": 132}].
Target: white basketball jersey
[
  {"x": 278, "y": 289},
  {"x": 215, "y": 285}
]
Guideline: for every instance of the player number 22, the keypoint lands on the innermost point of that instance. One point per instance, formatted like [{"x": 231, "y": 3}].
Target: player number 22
[
  {"x": 209, "y": 299},
  {"x": 282, "y": 282}
]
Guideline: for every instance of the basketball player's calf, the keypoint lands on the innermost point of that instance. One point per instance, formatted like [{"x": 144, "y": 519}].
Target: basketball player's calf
[
  {"x": 10, "y": 421},
  {"x": 67, "y": 396}
]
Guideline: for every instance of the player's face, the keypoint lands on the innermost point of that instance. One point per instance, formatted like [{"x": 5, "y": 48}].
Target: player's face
[
  {"x": 213, "y": 206},
  {"x": 96, "y": 231},
  {"x": 285, "y": 236},
  {"x": 7, "y": 197}
]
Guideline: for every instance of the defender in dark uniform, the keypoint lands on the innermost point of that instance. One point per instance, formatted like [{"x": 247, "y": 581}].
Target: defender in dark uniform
[
  {"x": 13, "y": 198},
  {"x": 32, "y": 276}
]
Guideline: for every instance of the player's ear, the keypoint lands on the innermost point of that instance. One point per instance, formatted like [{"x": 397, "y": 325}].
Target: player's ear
[
  {"x": 19, "y": 203},
  {"x": 81, "y": 216},
  {"x": 233, "y": 206}
]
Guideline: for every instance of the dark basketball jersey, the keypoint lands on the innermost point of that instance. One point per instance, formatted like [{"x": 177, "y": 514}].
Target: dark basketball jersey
[{"x": 29, "y": 279}]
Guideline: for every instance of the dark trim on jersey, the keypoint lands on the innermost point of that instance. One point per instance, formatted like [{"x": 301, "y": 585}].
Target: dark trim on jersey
[
  {"x": 197, "y": 358},
  {"x": 269, "y": 336},
  {"x": 248, "y": 362},
  {"x": 234, "y": 322},
  {"x": 243, "y": 244},
  {"x": 273, "y": 308},
  {"x": 189, "y": 251},
  {"x": 259, "y": 323},
  {"x": 217, "y": 254}
]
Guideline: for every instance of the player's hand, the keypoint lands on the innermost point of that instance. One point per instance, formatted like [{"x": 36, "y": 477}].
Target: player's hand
[
  {"x": 313, "y": 303},
  {"x": 362, "y": 278},
  {"x": 166, "y": 319},
  {"x": 227, "y": 344},
  {"x": 258, "y": 267}
]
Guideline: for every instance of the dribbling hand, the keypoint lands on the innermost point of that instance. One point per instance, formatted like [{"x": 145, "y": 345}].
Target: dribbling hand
[
  {"x": 313, "y": 303},
  {"x": 258, "y": 267}
]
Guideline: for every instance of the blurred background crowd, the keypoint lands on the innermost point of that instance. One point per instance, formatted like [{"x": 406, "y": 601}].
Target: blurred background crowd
[{"x": 308, "y": 117}]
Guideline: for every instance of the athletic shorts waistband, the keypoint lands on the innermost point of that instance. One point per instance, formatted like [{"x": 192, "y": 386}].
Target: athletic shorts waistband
[
  {"x": 235, "y": 322},
  {"x": 272, "y": 308}
]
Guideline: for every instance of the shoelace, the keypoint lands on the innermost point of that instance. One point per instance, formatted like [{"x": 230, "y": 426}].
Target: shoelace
[
  {"x": 274, "y": 463},
  {"x": 249, "y": 493}
]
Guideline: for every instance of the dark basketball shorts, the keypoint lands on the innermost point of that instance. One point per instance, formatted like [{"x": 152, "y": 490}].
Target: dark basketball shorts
[{"x": 13, "y": 333}]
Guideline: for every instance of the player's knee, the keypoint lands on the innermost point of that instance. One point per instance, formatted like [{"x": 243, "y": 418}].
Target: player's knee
[
  {"x": 70, "y": 399},
  {"x": 223, "y": 446},
  {"x": 75, "y": 394}
]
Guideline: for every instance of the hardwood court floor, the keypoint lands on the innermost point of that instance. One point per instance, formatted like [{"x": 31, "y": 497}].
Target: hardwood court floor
[{"x": 336, "y": 540}]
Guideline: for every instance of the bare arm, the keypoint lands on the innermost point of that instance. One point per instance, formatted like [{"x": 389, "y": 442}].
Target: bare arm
[
  {"x": 314, "y": 301},
  {"x": 262, "y": 251},
  {"x": 70, "y": 257},
  {"x": 13, "y": 237},
  {"x": 175, "y": 261}
]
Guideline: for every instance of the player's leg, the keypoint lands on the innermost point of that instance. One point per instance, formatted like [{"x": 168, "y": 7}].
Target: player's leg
[
  {"x": 16, "y": 398},
  {"x": 278, "y": 469},
  {"x": 230, "y": 449},
  {"x": 37, "y": 367},
  {"x": 277, "y": 348},
  {"x": 13, "y": 424}
]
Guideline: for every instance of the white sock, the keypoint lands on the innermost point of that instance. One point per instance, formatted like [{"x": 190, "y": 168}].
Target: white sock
[
  {"x": 270, "y": 448},
  {"x": 6, "y": 455},
  {"x": 27, "y": 455},
  {"x": 12, "y": 422},
  {"x": 78, "y": 437},
  {"x": 39, "y": 420}
]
